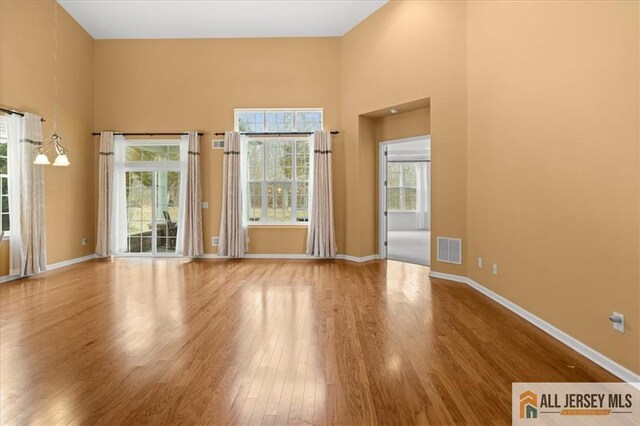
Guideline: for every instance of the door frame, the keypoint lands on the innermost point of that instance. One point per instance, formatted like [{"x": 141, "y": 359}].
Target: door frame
[
  {"x": 153, "y": 167},
  {"x": 382, "y": 192}
]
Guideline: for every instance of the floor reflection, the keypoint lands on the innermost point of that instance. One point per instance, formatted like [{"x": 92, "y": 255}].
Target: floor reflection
[{"x": 143, "y": 341}]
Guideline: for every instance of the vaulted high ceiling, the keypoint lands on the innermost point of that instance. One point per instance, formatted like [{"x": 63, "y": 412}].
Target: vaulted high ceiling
[{"x": 126, "y": 19}]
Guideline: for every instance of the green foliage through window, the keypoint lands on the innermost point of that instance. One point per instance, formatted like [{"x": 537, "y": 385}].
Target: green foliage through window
[
  {"x": 278, "y": 180},
  {"x": 401, "y": 186},
  {"x": 5, "y": 224}
]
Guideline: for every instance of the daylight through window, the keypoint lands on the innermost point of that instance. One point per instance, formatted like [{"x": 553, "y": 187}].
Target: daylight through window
[
  {"x": 4, "y": 178},
  {"x": 277, "y": 169},
  {"x": 401, "y": 186}
]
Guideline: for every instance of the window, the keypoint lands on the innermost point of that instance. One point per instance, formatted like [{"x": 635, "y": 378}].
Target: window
[
  {"x": 277, "y": 180},
  {"x": 4, "y": 178},
  {"x": 277, "y": 169},
  {"x": 401, "y": 186},
  {"x": 278, "y": 120}
]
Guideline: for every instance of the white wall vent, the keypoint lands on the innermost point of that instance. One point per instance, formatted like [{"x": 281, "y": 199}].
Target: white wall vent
[
  {"x": 215, "y": 241},
  {"x": 217, "y": 144},
  {"x": 450, "y": 250}
]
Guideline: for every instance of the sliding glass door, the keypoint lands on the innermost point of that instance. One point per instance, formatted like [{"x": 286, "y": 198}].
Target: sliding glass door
[{"x": 152, "y": 211}]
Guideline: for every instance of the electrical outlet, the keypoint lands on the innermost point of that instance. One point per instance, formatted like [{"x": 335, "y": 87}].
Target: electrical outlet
[
  {"x": 618, "y": 322},
  {"x": 85, "y": 241},
  {"x": 205, "y": 205},
  {"x": 215, "y": 241},
  {"x": 479, "y": 262},
  {"x": 495, "y": 269}
]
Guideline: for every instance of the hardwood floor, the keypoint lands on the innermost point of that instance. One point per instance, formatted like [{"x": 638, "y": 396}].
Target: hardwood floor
[{"x": 264, "y": 341}]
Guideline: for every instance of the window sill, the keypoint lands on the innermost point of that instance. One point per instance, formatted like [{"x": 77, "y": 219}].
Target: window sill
[
  {"x": 278, "y": 225},
  {"x": 402, "y": 211}
]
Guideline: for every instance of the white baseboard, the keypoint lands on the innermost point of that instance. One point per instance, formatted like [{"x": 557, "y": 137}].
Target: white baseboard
[
  {"x": 357, "y": 259},
  {"x": 70, "y": 262},
  {"x": 450, "y": 277},
  {"x": 584, "y": 350},
  {"x": 7, "y": 278},
  {"x": 294, "y": 256}
]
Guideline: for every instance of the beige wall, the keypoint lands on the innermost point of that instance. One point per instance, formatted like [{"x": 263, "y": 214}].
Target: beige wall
[
  {"x": 534, "y": 117},
  {"x": 27, "y": 83},
  {"x": 553, "y": 164},
  {"x": 404, "y": 52},
  {"x": 177, "y": 85},
  {"x": 403, "y": 125}
]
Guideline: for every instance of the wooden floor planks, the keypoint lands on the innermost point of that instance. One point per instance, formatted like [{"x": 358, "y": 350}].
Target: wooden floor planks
[{"x": 150, "y": 341}]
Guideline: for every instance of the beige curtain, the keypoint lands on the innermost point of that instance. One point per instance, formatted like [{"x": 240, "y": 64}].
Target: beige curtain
[
  {"x": 26, "y": 191},
  {"x": 105, "y": 195},
  {"x": 233, "y": 235},
  {"x": 321, "y": 238},
  {"x": 192, "y": 223}
]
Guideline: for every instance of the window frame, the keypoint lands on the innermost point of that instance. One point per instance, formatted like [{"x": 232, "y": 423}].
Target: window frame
[
  {"x": 5, "y": 138},
  {"x": 265, "y": 110},
  {"x": 152, "y": 166},
  {"x": 265, "y": 136},
  {"x": 402, "y": 188},
  {"x": 293, "y": 220}
]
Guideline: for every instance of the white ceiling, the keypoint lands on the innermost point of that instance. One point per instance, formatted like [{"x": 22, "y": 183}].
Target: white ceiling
[{"x": 117, "y": 19}]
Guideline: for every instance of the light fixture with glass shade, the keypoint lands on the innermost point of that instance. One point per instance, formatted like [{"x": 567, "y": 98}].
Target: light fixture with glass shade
[{"x": 62, "y": 158}]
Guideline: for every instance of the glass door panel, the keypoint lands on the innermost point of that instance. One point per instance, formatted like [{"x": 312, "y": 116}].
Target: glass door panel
[
  {"x": 167, "y": 208},
  {"x": 139, "y": 193},
  {"x": 152, "y": 211}
]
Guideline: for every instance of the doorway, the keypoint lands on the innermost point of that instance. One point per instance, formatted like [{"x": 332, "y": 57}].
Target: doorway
[
  {"x": 405, "y": 200},
  {"x": 148, "y": 181}
]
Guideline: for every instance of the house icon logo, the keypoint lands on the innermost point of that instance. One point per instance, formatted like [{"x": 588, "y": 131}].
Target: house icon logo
[{"x": 528, "y": 405}]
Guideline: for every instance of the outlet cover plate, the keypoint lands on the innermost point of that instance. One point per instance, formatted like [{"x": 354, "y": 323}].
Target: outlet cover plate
[{"x": 618, "y": 326}]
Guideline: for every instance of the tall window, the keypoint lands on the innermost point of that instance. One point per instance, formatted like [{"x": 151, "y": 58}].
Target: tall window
[
  {"x": 401, "y": 186},
  {"x": 277, "y": 169},
  {"x": 4, "y": 179}
]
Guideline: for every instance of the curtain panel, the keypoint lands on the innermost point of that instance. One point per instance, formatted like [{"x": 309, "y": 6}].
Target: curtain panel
[
  {"x": 321, "y": 237},
  {"x": 104, "y": 244},
  {"x": 233, "y": 233},
  {"x": 422, "y": 195},
  {"x": 191, "y": 226},
  {"x": 28, "y": 237}
]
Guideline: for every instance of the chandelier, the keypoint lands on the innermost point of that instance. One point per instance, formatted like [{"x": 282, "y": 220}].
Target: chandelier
[
  {"x": 62, "y": 159},
  {"x": 54, "y": 141}
]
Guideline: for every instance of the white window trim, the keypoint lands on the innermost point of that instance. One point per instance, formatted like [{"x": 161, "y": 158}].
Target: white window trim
[
  {"x": 293, "y": 222},
  {"x": 294, "y": 181},
  {"x": 294, "y": 110},
  {"x": 402, "y": 188},
  {"x": 155, "y": 166}
]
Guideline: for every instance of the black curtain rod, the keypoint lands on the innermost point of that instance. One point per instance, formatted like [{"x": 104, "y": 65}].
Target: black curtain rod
[
  {"x": 13, "y": 111},
  {"x": 333, "y": 132},
  {"x": 408, "y": 161},
  {"x": 147, "y": 134}
]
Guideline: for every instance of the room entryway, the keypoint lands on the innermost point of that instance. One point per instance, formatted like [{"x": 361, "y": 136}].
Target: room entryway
[
  {"x": 149, "y": 196},
  {"x": 405, "y": 201}
]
